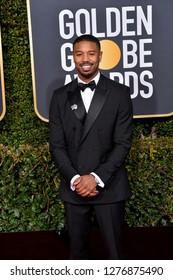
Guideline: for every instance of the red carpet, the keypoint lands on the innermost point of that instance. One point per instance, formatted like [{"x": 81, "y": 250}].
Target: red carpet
[{"x": 142, "y": 244}]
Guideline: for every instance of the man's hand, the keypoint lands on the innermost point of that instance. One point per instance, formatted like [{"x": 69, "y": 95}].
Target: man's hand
[{"x": 86, "y": 186}]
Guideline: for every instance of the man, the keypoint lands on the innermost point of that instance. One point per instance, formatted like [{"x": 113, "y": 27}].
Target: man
[{"x": 90, "y": 137}]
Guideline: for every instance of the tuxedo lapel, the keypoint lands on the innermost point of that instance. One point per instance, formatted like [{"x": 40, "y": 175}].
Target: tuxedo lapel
[
  {"x": 97, "y": 103},
  {"x": 76, "y": 102}
]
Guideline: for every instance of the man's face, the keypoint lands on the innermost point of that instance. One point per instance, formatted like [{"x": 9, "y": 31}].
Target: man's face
[{"x": 87, "y": 57}]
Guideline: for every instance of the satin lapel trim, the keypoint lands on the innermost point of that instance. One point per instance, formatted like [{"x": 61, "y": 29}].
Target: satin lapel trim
[
  {"x": 76, "y": 104},
  {"x": 97, "y": 103}
]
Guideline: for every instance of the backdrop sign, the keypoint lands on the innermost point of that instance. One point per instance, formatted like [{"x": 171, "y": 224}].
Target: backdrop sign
[
  {"x": 136, "y": 39},
  {"x": 2, "y": 90}
]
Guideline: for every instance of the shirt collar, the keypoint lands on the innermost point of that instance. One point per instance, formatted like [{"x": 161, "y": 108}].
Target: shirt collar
[{"x": 96, "y": 79}]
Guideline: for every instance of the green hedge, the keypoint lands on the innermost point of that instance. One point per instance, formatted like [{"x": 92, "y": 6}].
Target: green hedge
[
  {"x": 20, "y": 125},
  {"x": 29, "y": 190},
  {"x": 29, "y": 180},
  {"x": 151, "y": 176},
  {"x": 30, "y": 186}
]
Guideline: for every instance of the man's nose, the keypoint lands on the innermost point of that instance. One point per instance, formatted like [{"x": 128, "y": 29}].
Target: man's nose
[{"x": 85, "y": 57}]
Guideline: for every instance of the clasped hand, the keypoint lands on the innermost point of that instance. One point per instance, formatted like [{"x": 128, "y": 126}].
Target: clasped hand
[{"x": 85, "y": 186}]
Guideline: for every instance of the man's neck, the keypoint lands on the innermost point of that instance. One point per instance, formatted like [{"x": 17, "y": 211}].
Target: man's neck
[{"x": 96, "y": 78}]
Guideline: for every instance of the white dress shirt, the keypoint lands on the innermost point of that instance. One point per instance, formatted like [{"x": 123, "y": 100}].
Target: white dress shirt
[{"x": 88, "y": 93}]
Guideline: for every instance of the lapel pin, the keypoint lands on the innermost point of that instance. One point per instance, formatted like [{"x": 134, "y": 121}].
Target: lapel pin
[{"x": 74, "y": 107}]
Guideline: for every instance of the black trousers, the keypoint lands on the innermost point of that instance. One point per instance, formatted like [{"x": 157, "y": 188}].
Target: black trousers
[{"x": 110, "y": 218}]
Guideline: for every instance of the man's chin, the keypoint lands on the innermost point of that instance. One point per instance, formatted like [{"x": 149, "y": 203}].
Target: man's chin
[{"x": 86, "y": 74}]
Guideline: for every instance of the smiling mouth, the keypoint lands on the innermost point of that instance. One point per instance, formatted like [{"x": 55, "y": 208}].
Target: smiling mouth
[{"x": 86, "y": 67}]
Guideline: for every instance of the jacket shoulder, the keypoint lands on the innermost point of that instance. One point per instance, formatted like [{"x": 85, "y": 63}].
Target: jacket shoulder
[
  {"x": 114, "y": 84},
  {"x": 65, "y": 88}
]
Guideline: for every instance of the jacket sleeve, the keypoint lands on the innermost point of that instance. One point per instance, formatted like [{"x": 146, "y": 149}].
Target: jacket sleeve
[
  {"x": 58, "y": 146},
  {"x": 122, "y": 139}
]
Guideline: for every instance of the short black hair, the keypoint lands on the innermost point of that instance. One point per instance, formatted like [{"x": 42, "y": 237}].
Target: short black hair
[{"x": 87, "y": 37}]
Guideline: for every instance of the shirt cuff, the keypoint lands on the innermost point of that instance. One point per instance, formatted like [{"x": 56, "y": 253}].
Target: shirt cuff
[
  {"x": 72, "y": 187},
  {"x": 99, "y": 181}
]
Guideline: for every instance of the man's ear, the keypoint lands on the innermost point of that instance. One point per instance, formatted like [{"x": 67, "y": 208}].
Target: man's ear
[{"x": 100, "y": 56}]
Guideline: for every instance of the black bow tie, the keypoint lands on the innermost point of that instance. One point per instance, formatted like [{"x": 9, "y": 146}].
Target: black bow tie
[{"x": 91, "y": 85}]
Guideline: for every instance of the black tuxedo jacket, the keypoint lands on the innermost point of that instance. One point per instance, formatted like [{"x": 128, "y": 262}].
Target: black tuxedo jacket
[{"x": 97, "y": 142}]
